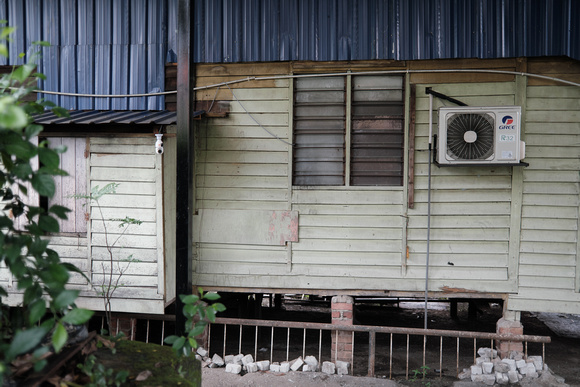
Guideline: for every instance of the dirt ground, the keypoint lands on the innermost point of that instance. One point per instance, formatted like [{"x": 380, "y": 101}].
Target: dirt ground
[{"x": 562, "y": 354}]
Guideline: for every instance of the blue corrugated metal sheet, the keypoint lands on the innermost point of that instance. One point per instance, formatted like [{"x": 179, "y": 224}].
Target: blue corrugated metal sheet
[
  {"x": 326, "y": 30},
  {"x": 121, "y": 46},
  {"x": 97, "y": 47}
]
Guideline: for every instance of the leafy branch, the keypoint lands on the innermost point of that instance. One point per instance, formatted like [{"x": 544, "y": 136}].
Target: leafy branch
[
  {"x": 199, "y": 313},
  {"x": 112, "y": 278},
  {"x": 39, "y": 275}
]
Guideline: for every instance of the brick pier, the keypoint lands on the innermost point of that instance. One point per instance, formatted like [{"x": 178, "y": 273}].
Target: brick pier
[{"x": 342, "y": 314}]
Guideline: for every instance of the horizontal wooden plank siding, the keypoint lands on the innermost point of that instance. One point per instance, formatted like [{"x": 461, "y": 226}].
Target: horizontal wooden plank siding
[
  {"x": 493, "y": 229},
  {"x": 470, "y": 206},
  {"x": 549, "y": 273},
  {"x": 241, "y": 176},
  {"x": 137, "y": 251}
]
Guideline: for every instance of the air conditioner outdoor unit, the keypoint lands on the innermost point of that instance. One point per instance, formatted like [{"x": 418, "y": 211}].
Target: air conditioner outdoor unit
[{"x": 480, "y": 135}]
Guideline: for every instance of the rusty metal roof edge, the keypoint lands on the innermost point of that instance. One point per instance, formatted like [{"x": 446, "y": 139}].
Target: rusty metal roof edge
[{"x": 100, "y": 117}]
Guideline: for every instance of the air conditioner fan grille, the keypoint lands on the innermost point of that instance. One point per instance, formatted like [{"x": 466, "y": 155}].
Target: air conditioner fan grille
[{"x": 480, "y": 132}]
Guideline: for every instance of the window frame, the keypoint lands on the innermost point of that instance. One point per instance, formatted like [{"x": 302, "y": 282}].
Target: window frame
[{"x": 348, "y": 104}]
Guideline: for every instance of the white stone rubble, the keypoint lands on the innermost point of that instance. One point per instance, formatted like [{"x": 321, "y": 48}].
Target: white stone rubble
[{"x": 490, "y": 370}]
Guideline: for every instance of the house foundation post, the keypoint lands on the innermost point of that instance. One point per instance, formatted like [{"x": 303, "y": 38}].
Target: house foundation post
[
  {"x": 509, "y": 324},
  {"x": 342, "y": 341}
]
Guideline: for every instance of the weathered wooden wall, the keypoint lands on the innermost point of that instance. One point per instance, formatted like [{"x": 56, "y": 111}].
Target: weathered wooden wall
[
  {"x": 502, "y": 230},
  {"x": 132, "y": 164},
  {"x": 549, "y": 260}
]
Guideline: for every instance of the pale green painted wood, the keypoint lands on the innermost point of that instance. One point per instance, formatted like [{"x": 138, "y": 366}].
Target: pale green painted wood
[
  {"x": 123, "y": 161},
  {"x": 224, "y": 169},
  {"x": 551, "y": 176},
  {"x": 548, "y": 248},
  {"x": 460, "y": 222},
  {"x": 377, "y": 284},
  {"x": 553, "y": 104},
  {"x": 447, "y": 209},
  {"x": 134, "y": 241},
  {"x": 346, "y": 258},
  {"x": 349, "y": 233},
  {"x": 549, "y": 306},
  {"x": 563, "y": 128},
  {"x": 452, "y": 235},
  {"x": 217, "y": 131},
  {"x": 458, "y": 247},
  {"x": 549, "y": 224},
  {"x": 143, "y": 255},
  {"x": 553, "y": 116},
  {"x": 242, "y": 119},
  {"x": 347, "y": 209},
  {"x": 274, "y": 182},
  {"x": 360, "y": 245},
  {"x": 127, "y": 201},
  {"x": 551, "y": 200},
  {"x": 259, "y": 107},
  {"x": 120, "y": 148},
  {"x": 245, "y": 227},
  {"x": 143, "y": 214},
  {"x": 472, "y": 259},
  {"x": 135, "y": 188},
  {"x": 120, "y": 175},
  {"x": 233, "y": 256},
  {"x": 538, "y": 152},
  {"x": 241, "y": 157},
  {"x": 547, "y": 93},
  {"x": 242, "y": 205},
  {"x": 264, "y": 93},
  {"x": 244, "y": 194},
  {"x": 462, "y": 196},
  {"x": 245, "y": 144},
  {"x": 458, "y": 273},
  {"x": 391, "y": 222},
  {"x": 568, "y": 188},
  {"x": 544, "y": 282},
  {"x": 320, "y": 196}
]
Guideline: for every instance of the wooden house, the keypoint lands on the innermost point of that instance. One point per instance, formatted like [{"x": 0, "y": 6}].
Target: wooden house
[{"x": 312, "y": 161}]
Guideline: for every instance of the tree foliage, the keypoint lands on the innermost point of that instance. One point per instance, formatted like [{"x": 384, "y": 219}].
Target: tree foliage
[{"x": 38, "y": 275}]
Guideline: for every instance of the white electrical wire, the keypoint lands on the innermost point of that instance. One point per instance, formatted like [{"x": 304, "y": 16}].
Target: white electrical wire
[
  {"x": 377, "y": 72},
  {"x": 256, "y": 121},
  {"x": 247, "y": 79}
]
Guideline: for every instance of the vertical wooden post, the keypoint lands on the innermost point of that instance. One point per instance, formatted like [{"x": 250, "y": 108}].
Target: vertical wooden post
[{"x": 184, "y": 169}]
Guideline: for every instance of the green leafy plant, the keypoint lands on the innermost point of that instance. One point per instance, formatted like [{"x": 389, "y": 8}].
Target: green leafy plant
[
  {"x": 198, "y": 313},
  {"x": 117, "y": 267},
  {"x": 422, "y": 373},
  {"x": 99, "y": 375},
  {"x": 36, "y": 270}
]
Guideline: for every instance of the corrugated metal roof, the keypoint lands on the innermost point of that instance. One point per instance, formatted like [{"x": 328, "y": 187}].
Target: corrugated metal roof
[
  {"x": 327, "y": 30},
  {"x": 97, "y": 47},
  {"x": 96, "y": 117},
  {"x": 122, "y": 46}
]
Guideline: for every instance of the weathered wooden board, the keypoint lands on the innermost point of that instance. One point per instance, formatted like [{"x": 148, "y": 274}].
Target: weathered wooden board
[
  {"x": 246, "y": 227},
  {"x": 358, "y": 233},
  {"x": 122, "y": 174},
  {"x": 235, "y": 169},
  {"x": 274, "y": 182},
  {"x": 229, "y": 256},
  {"x": 246, "y": 144},
  {"x": 351, "y": 196},
  {"x": 360, "y": 245},
  {"x": 241, "y": 157},
  {"x": 220, "y": 131},
  {"x": 346, "y": 258},
  {"x": 244, "y": 194}
]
